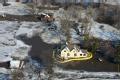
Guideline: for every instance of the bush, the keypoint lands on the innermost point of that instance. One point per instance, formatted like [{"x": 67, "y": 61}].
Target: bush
[
  {"x": 91, "y": 44},
  {"x": 117, "y": 56},
  {"x": 17, "y": 74}
]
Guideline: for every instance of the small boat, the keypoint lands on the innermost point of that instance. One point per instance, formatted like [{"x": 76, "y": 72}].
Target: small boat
[{"x": 67, "y": 55}]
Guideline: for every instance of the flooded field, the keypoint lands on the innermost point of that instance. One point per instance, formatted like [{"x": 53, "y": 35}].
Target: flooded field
[{"x": 43, "y": 51}]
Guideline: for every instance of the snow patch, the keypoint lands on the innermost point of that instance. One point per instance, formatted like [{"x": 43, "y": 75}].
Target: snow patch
[
  {"x": 15, "y": 8},
  {"x": 61, "y": 74},
  {"x": 9, "y": 46},
  {"x": 104, "y": 31}
]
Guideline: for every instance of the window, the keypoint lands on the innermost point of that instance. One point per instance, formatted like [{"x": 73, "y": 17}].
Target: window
[
  {"x": 75, "y": 54},
  {"x": 68, "y": 54},
  {"x": 80, "y": 54},
  {"x": 84, "y": 54}
]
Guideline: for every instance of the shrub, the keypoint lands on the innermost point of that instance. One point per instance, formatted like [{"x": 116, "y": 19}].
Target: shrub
[
  {"x": 117, "y": 56},
  {"x": 17, "y": 74}
]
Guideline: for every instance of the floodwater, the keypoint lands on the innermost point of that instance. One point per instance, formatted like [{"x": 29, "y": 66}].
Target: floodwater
[
  {"x": 40, "y": 50},
  {"x": 43, "y": 51}
]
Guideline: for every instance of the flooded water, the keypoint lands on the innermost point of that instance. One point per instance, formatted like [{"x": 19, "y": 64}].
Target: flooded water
[
  {"x": 93, "y": 65},
  {"x": 43, "y": 51},
  {"x": 40, "y": 50}
]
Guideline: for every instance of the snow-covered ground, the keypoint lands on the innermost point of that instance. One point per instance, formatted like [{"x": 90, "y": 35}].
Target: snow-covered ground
[
  {"x": 10, "y": 33},
  {"x": 113, "y": 2},
  {"x": 30, "y": 29},
  {"x": 97, "y": 30},
  {"x": 15, "y": 8},
  {"x": 61, "y": 74},
  {"x": 104, "y": 31},
  {"x": 11, "y": 45}
]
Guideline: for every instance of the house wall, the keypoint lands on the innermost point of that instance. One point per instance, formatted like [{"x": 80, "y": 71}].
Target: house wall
[{"x": 64, "y": 53}]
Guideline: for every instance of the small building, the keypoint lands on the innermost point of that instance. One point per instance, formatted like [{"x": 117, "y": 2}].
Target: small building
[{"x": 66, "y": 53}]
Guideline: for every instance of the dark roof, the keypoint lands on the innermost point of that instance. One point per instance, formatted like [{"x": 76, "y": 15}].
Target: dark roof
[{"x": 84, "y": 51}]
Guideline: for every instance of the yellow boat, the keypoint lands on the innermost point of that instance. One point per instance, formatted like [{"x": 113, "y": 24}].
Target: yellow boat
[{"x": 67, "y": 55}]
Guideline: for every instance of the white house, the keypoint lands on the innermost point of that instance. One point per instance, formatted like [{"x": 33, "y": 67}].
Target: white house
[{"x": 66, "y": 53}]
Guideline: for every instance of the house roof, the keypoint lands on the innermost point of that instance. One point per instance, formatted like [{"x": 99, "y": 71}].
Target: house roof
[{"x": 84, "y": 51}]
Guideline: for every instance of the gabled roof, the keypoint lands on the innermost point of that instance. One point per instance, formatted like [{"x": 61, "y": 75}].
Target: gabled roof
[{"x": 84, "y": 51}]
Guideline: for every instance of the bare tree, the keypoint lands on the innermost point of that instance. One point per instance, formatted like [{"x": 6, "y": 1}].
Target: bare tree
[
  {"x": 85, "y": 24},
  {"x": 17, "y": 74},
  {"x": 66, "y": 23}
]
